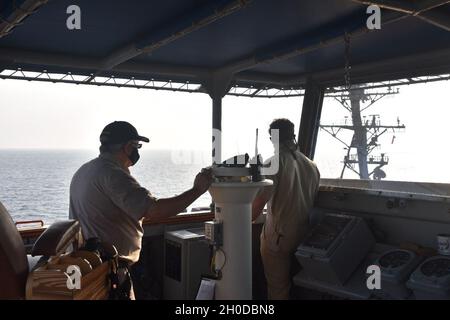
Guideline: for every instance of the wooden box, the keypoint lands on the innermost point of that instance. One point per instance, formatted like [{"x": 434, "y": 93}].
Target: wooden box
[{"x": 49, "y": 282}]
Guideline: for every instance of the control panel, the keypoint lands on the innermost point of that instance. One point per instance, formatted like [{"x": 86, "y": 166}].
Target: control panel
[{"x": 214, "y": 232}]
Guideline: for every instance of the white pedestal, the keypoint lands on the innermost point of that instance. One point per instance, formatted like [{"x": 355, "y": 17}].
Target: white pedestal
[{"x": 233, "y": 202}]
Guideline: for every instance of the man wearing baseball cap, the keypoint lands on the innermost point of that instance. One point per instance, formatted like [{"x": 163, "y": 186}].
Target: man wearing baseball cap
[{"x": 110, "y": 204}]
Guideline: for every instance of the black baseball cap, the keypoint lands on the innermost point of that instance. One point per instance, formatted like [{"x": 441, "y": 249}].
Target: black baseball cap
[{"x": 120, "y": 132}]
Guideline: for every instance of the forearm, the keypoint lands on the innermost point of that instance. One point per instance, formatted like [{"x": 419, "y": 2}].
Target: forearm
[
  {"x": 260, "y": 202},
  {"x": 257, "y": 209},
  {"x": 168, "y": 207}
]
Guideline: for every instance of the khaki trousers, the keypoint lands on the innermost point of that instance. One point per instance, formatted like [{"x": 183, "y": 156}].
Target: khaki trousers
[
  {"x": 276, "y": 254},
  {"x": 277, "y": 272}
]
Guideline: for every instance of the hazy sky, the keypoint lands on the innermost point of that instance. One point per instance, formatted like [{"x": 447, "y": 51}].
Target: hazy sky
[
  {"x": 43, "y": 115},
  {"x": 55, "y": 116}
]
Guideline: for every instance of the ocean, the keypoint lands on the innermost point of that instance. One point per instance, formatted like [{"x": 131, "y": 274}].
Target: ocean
[{"x": 34, "y": 184}]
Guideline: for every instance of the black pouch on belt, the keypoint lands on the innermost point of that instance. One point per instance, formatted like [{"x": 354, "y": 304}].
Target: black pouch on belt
[{"x": 120, "y": 282}]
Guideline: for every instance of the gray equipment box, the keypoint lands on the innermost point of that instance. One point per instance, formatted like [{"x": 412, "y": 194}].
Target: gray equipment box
[
  {"x": 186, "y": 259},
  {"x": 335, "y": 247},
  {"x": 431, "y": 280},
  {"x": 396, "y": 266}
]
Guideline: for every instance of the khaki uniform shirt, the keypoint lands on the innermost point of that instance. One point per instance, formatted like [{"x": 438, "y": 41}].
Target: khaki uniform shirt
[
  {"x": 295, "y": 186},
  {"x": 110, "y": 205}
]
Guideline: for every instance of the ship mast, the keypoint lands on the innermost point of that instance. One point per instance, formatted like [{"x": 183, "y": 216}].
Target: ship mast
[{"x": 366, "y": 132}]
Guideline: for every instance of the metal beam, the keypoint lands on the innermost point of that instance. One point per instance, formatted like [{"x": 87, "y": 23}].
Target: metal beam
[
  {"x": 111, "y": 81},
  {"x": 426, "y": 5},
  {"x": 437, "y": 18},
  {"x": 428, "y": 63},
  {"x": 171, "y": 31},
  {"x": 426, "y": 10},
  {"x": 217, "y": 129},
  {"x": 139, "y": 83},
  {"x": 310, "y": 119},
  {"x": 425, "y": 64},
  {"x": 264, "y": 78},
  {"x": 409, "y": 7},
  {"x": 18, "y": 14},
  {"x": 397, "y": 5},
  {"x": 217, "y": 85},
  {"x": 20, "y": 57},
  {"x": 389, "y": 84},
  {"x": 266, "y": 91}
]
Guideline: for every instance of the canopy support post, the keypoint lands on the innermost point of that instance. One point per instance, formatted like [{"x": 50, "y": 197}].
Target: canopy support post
[
  {"x": 310, "y": 118},
  {"x": 217, "y": 86},
  {"x": 217, "y": 129}
]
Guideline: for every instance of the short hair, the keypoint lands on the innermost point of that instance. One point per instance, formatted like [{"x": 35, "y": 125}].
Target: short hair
[
  {"x": 110, "y": 148},
  {"x": 285, "y": 129}
]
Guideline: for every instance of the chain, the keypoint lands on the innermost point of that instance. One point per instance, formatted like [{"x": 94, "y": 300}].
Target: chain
[{"x": 347, "y": 61}]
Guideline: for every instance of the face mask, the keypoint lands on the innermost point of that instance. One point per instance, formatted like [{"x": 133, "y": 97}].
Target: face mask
[{"x": 134, "y": 156}]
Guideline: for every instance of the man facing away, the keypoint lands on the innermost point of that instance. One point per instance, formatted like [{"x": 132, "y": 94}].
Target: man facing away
[
  {"x": 289, "y": 201},
  {"x": 111, "y": 205}
]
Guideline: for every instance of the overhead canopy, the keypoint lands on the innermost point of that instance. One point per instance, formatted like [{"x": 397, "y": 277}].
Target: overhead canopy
[{"x": 270, "y": 43}]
